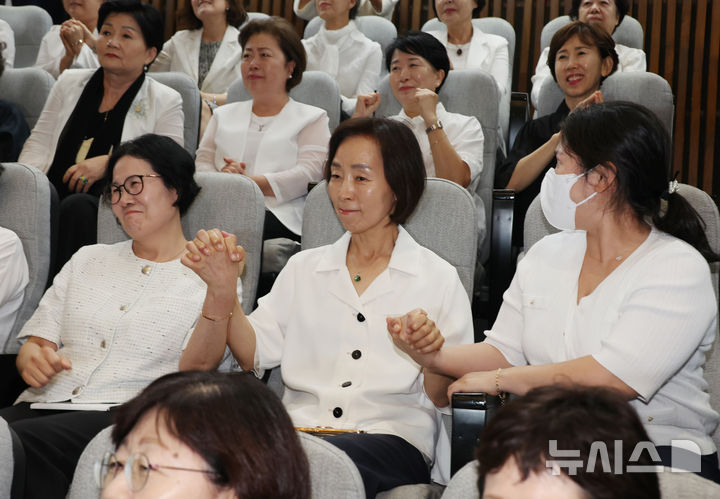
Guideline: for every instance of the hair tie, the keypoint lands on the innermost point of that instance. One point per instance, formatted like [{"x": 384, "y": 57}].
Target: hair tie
[{"x": 672, "y": 187}]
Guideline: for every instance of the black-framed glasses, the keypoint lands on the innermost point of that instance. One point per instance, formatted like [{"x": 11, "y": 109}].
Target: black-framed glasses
[
  {"x": 132, "y": 185},
  {"x": 137, "y": 470}
]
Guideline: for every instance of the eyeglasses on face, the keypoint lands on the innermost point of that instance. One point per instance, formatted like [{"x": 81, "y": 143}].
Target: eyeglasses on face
[
  {"x": 133, "y": 185},
  {"x": 137, "y": 470}
]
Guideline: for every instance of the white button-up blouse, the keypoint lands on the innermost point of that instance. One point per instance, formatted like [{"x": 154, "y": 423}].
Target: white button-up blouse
[{"x": 339, "y": 364}]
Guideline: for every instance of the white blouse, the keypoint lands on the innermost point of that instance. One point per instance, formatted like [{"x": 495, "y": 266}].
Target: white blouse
[
  {"x": 466, "y": 136},
  {"x": 121, "y": 320},
  {"x": 339, "y": 364},
  {"x": 650, "y": 323},
  {"x": 487, "y": 52},
  {"x": 290, "y": 154}
]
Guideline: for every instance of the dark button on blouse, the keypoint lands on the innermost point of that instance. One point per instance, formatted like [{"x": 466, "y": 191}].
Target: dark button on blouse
[
  {"x": 346, "y": 384},
  {"x": 356, "y": 354},
  {"x": 337, "y": 412},
  {"x": 360, "y": 317}
]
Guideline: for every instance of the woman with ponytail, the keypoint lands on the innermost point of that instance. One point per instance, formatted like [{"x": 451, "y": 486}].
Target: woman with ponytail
[{"x": 622, "y": 297}]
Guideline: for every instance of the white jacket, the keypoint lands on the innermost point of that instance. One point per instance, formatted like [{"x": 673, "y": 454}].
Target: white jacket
[
  {"x": 287, "y": 162},
  {"x": 182, "y": 53},
  {"x": 155, "y": 109},
  {"x": 487, "y": 52}
]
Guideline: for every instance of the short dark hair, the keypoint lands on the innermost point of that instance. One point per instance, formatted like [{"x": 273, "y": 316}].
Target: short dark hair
[
  {"x": 234, "y": 422},
  {"x": 402, "y": 160},
  {"x": 575, "y": 417},
  {"x": 426, "y": 46},
  {"x": 621, "y": 6},
  {"x": 631, "y": 140},
  {"x": 235, "y": 15},
  {"x": 148, "y": 18},
  {"x": 166, "y": 157},
  {"x": 287, "y": 38},
  {"x": 588, "y": 34},
  {"x": 475, "y": 11},
  {"x": 354, "y": 9}
]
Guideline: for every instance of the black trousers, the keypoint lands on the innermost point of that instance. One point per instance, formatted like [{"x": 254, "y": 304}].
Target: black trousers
[
  {"x": 53, "y": 442},
  {"x": 384, "y": 461},
  {"x": 78, "y": 226}
]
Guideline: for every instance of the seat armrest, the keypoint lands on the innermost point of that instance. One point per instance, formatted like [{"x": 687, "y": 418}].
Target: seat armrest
[
  {"x": 471, "y": 412},
  {"x": 519, "y": 114},
  {"x": 501, "y": 266}
]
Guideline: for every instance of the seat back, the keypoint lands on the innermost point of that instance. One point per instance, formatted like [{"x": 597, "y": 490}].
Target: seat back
[
  {"x": 188, "y": 90},
  {"x": 27, "y": 208},
  {"x": 316, "y": 89},
  {"x": 29, "y": 24},
  {"x": 255, "y": 16},
  {"x": 83, "y": 485},
  {"x": 17, "y": 84},
  {"x": 376, "y": 28},
  {"x": 444, "y": 222},
  {"x": 332, "y": 472},
  {"x": 647, "y": 89},
  {"x": 629, "y": 33},
  {"x": 233, "y": 203},
  {"x": 463, "y": 484},
  {"x": 473, "y": 93}
]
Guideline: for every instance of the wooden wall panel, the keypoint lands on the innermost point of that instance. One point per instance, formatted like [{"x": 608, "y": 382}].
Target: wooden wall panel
[{"x": 682, "y": 43}]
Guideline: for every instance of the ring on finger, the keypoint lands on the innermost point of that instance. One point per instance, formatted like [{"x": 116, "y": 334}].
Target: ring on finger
[{"x": 83, "y": 179}]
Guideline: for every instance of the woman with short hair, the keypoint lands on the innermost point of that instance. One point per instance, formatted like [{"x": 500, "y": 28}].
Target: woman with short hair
[
  {"x": 205, "y": 434},
  {"x": 451, "y": 143},
  {"x": 116, "y": 317},
  {"x": 607, "y": 15},
  {"x": 277, "y": 142},
  {"x": 326, "y": 319}
]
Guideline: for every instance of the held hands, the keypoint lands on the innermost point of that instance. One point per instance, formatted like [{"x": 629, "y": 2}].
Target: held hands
[
  {"x": 216, "y": 258},
  {"x": 38, "y": 364},
  {"x": 232, "y": 166},
  {"x": 366, "y": 105},
  {"x": 81, "y": 176},
  {"x": 417, "y": 335},
  {"x": 481, "y": 382}
]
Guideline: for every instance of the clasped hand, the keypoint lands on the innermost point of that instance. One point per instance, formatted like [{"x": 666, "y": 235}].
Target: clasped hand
[
  {"x": 215, "y": 256},
  {"x": 417, "y": 335}
]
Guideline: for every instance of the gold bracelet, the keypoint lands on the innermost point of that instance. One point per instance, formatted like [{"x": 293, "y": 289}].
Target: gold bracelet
[
  {"x": 215, "y": 320},
  {"x": 500, "y": 393}
]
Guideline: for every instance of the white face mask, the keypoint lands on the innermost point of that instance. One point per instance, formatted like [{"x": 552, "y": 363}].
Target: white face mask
[{"x": 558, "y": 207}]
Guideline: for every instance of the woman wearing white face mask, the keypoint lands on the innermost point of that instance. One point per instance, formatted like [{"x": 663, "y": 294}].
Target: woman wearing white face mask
[{"x": 622, "y": 297}]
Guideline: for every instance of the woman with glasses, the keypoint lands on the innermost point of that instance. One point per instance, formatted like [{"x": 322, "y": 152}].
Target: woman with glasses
[
  {"x": 115, "y": 318},
  {"x": 205, "y": 434}
]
